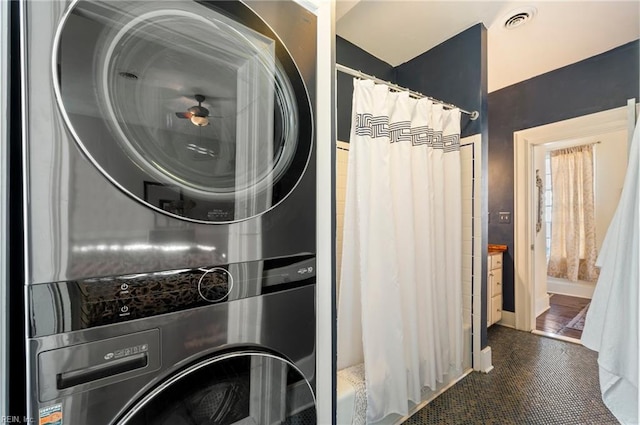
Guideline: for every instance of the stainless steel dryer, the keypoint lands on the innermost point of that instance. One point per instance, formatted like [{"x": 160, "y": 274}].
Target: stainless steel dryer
[
  {"x": 168, "y": 146},
  {"x": 161, "y": 135}
]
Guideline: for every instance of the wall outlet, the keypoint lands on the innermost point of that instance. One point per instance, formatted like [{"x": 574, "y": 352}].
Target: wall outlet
[{"x": 504, "y": 217}]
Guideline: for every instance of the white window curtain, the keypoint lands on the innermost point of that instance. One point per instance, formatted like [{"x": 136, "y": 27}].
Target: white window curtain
[
  {"x": 400, "y": 303},
  {"x": 573, "y": 233}
]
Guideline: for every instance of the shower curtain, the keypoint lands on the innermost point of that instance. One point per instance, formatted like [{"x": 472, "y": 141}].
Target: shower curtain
[
  {"x": 611, "y": 325},
  {"x": 400, "y": 303}
]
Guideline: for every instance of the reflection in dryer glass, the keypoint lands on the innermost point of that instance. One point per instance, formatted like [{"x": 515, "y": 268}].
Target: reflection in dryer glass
[{"x": 178, "y": 94}]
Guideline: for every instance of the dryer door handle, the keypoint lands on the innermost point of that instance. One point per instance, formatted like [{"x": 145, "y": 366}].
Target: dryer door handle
[{"x": 93, "y": 373}]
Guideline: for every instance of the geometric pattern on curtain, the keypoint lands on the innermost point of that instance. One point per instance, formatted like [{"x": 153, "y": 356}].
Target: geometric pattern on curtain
[
  {"x": 368, "y": 125},
  {"x": 400, "y": 301},
  {"x": 573, "y": 233}
]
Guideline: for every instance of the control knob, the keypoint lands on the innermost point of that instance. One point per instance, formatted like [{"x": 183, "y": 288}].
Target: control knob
[{"x": 215, "y": 284}]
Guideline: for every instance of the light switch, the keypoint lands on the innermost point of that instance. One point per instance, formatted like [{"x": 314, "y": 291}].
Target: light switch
[{"x": 504, "y": 217}]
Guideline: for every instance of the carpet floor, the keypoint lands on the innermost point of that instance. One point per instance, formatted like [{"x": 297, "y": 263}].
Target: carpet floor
[{"x": 535, "y": 380}]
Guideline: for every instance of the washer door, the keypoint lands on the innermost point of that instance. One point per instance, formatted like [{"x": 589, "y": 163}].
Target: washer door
[
  {"x": 195, "y": 109},
  {"x": 238, "y": 388}
]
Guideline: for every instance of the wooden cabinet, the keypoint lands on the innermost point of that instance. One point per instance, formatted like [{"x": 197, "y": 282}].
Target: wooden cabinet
[{"x": 494, "y": 288}]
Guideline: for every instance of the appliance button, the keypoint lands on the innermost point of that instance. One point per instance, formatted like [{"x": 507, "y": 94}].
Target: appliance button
[{"x": 215, "y": 284}]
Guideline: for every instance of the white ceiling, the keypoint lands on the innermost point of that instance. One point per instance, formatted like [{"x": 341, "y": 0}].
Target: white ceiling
[{"x": 561, "y": 33}]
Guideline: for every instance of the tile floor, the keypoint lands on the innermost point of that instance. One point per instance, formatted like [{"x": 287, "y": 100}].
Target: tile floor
[{"x": 535, "y": 381}]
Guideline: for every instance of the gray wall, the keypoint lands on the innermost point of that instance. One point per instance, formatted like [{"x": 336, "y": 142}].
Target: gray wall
[{"x": 595, "y": 84}]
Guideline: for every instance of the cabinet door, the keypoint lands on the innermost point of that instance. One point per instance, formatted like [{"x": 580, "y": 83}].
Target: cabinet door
[
  {"x": 494, "y": 288},
  {"x": 495, "y": 282},
  {"x": 496, "y": 309},
  {"x": 489, "y": 311},
  {"x": 495, "y": 261}
]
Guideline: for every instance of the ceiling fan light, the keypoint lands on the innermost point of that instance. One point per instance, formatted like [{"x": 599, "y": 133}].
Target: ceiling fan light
[{"x": 199, "y": 121}]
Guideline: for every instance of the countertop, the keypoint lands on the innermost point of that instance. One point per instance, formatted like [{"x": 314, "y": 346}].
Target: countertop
[{"x": 496, "y": 248}]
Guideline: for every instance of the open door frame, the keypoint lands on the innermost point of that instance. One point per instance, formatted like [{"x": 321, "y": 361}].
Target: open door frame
[{"x": 524, "y": 187}]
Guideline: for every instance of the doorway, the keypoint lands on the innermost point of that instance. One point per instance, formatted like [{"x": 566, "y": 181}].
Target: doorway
[
  {"x": 532, "y": 288},
  {"x": 564, "y": 318}
]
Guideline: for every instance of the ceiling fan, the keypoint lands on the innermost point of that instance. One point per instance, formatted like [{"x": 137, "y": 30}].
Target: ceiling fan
[{"x": 198, "y": 114}]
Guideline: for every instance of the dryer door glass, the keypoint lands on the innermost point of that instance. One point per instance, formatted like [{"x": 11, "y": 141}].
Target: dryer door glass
[
  {"x": 184, "y": 106},
  {"x": 239, "y": 388}
]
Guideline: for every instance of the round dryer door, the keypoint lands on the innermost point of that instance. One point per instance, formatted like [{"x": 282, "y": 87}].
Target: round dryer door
[
  {"x": 238, "y": 388},
  {"x": 195, "y": 109}
]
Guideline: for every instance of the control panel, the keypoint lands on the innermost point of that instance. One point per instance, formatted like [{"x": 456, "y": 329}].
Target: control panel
[{"x": 101, "y": 301}]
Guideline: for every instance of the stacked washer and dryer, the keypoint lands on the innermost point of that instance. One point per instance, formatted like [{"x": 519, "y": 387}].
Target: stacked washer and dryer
[{"x": 169, "y": 177}]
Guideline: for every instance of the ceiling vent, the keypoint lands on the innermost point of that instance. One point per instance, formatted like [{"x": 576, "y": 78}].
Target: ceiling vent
[{"x": 519, "y": 17}]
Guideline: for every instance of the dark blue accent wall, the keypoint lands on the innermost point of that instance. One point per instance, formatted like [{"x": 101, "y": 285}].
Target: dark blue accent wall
[
  {"x": 350, "y": 55},
  {"x": 451, "y": 72},
  {"x": 595, "y": 84}
]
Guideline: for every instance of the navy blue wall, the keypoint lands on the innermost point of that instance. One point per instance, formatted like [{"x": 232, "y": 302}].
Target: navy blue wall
[
  {"x": 451, "y": 72},
  {"x": 596, "y": 84},
  {"x": 350, "y": 55}
]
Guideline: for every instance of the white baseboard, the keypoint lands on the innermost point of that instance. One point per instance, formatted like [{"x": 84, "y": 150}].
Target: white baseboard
[
  {"x": 556, "y": 336},
  {"x": 578, "y": 289},
  {"x": 508, "y": 319},
  {"x": 484, "y": 361},
  {"x": 542, "y": 304}
]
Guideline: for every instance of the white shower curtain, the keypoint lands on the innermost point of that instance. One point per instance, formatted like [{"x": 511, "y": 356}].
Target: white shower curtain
[
  {"x": 400, "y": 303},
  {"x": 611, "y": 325}
]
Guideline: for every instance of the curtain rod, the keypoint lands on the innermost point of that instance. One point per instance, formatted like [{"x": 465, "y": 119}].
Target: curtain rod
[
  {"x": 359, "y": 74},
  {"x": 569, "y": 146}
]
